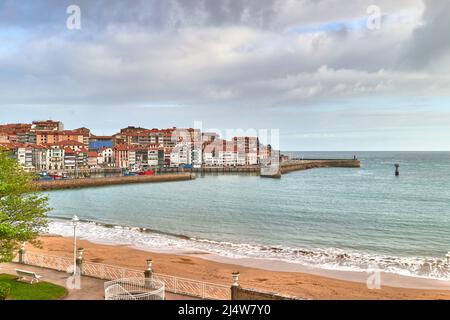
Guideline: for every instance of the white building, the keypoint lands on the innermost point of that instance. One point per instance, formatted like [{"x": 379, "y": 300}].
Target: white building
[
  {"x": 40, "y": 160},
  {"x": 181, "y": 154},
  {"x": 55, "y": 158},
  {"x": 156, "y": 157},
  {"x": 197, "y": 156},
  {"x": 24, "y": 155},
  {"x": 105, "y": 157}
]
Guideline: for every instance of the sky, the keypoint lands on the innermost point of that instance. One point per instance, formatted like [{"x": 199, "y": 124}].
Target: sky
[{"x": 329, "y": 74}]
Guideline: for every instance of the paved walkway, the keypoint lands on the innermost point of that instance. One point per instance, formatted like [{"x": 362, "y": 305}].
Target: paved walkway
[{"x": 91, "y": 288}]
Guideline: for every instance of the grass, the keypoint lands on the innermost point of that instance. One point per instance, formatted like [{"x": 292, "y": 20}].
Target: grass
[{"x": 37, "y": 291}]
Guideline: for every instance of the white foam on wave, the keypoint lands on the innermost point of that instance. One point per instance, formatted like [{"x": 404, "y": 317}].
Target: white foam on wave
[{"x": 324, "y": 258}]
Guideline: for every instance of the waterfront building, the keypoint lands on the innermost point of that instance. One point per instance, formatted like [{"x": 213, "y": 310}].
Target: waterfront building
[
  {"x": 55, "y": 158},
  {"x": 121, "y": 156},
  {"x": 105, "y": 157},
  {"x": 40, "y": 158},
  {"x": 92, "y": 159},
  {"x": 24, "y": 155},
  {"x": 197, "y": 156},
  {"x": 241, "y": 151},
  {"x": 169, "y": 138},
  {"x": 167, "y": 156},
  {"x": 265, "y": 154},
  {"x": 248, "y": 150},
  {"x": 97, "y": 143},
  {"x": 70, "y": 159},
  {"x": 156, "y": 157},
  {"x": 132, "y": 163},
  {"x": 124, "y": 156},
  {"x": 75, "y": 159},
  {"x": 228, "y": 154},
  {"x": 141, "y": 158},
  {"x": 213, "y": 152},
  {"x": 181, "y": 154}
]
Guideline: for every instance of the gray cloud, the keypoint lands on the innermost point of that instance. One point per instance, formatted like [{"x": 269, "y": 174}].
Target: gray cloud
[
  {"x": 216, "y": 57},
  {"x": 430, "y": 42}
]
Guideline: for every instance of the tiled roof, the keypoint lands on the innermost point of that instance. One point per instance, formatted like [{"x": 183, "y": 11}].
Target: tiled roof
[{"x": 69, "y": 143}]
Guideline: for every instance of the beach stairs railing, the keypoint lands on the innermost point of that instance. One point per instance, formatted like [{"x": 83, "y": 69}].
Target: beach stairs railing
[
  {"x": 134, "y": 289},
  {"x": 117, "y": 292},
  {"x": 176, "y": 285}
]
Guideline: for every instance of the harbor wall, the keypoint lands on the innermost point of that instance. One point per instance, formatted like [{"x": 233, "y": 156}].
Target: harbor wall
[
  {"x": 298, "y": 165},
  {"x": 97, "y": 182}
]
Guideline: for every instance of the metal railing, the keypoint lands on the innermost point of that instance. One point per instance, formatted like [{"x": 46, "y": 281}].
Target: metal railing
[
  {"x": 177, "y": 285},
  {"x": 194, "y": 288},
  {"x": 108, "y": 272},
  {"x": 134, "y": 289},
  {"x": 47, "y": 261}
]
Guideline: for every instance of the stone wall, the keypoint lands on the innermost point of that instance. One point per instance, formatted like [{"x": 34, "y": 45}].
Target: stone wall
[
  {"x": 298, "y": 165},
  {"x": 239, "y": 293},
  {"x": 97, "y": 182}
]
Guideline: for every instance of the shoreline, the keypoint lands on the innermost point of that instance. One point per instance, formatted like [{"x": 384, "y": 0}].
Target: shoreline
[
  {"x": 307, "y": 283},
  {"x": 353, "y": 268}
]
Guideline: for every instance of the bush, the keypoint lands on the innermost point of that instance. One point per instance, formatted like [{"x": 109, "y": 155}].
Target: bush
[{"x": 5, "y": 289}]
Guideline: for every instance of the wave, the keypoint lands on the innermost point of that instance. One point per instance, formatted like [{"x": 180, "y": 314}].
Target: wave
[{"x": 324, "y": 258}]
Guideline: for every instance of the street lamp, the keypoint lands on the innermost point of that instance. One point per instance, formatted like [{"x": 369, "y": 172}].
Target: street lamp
[{"x": 75, "y": 221}]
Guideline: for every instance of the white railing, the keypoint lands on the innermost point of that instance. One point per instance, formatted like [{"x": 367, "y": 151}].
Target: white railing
[
  {"x": 181, "y": 286},
  {"x": 49, "y": 262},
  {"x": 134, "y": 289},
  {"x": 200, "y": 289},
  {"x": 109, "y": 272}
]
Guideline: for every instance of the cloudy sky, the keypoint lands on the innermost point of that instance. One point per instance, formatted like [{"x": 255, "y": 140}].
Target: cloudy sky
[{"x": 311, "y": 68}]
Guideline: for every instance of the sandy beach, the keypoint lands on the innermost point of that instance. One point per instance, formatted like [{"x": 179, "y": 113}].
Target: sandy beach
[{"x": 193, "y": 265}]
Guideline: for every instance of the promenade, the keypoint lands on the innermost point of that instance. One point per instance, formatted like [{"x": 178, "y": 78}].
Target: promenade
[{"x": 91, "y": 288}]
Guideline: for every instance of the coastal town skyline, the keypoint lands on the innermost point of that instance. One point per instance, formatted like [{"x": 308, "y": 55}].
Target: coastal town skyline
[
  {"x": 47, "y": 146},
  {"x": 284, "y": 138},
  {"x": 280, "y": 64}
]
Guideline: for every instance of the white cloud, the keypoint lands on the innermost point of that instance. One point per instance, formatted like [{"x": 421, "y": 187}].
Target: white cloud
[{"x": 221, "y": 55}]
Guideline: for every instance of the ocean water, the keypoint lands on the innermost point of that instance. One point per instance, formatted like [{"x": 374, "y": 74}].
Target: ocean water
[{"x": 336, "y": 218}]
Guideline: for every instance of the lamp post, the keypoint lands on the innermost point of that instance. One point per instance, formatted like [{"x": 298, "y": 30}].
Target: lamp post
[{"x": 75, "y": 221}]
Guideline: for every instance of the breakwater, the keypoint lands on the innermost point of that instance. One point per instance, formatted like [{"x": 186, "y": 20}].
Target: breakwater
[
  {"x": 240, "y": 169},
  {"x": 297, "y": 165},
  {"x": 98, "y": 182}
]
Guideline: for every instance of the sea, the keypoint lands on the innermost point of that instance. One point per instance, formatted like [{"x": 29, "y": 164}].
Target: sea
[{"x": 334, "y": 218}]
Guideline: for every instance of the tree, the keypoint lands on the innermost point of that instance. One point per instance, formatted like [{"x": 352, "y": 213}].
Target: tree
[{"x": 23, "y": 210}]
